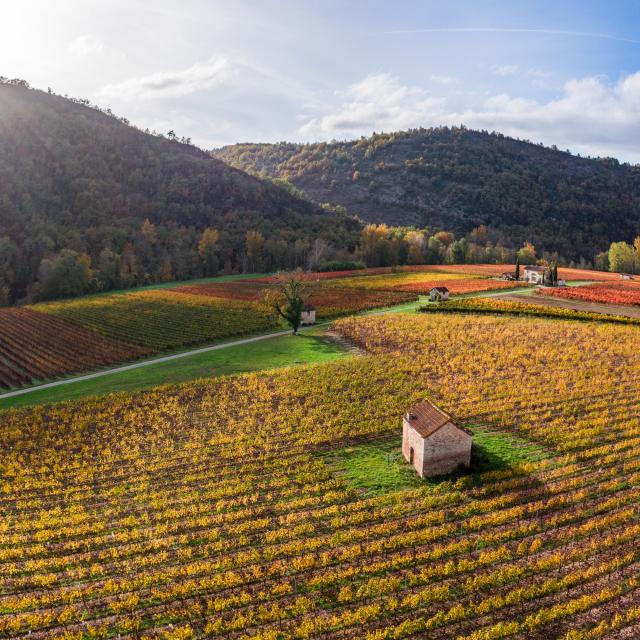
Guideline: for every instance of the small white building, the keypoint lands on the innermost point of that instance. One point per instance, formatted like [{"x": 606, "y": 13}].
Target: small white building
[
  {"x": 308, "y": 315},
  {"x": 438, "y": 294},
  {"x": 533, "y": 274},
  {"x": 433, "y": 443}
]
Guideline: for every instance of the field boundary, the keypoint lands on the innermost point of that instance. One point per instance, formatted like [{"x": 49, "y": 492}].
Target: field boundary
[
  {"x": 143, "y": 363},
  {"x": 184, "y": 354}
]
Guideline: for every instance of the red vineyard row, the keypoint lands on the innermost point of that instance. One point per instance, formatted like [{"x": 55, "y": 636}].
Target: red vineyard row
[
  {"x": 329, "y": 302},
  {"x": 607, "y": 293},
  {"x": 36, "y": 346}
]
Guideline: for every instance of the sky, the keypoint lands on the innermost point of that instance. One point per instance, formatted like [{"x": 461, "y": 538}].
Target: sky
[{"x": 557, "y": 72}]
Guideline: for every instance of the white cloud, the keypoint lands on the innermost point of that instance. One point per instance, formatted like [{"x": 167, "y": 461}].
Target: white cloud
[
  {"x": 203, "y": 75},
  {"x": 85, "y": 46},
  {"x": 504, "y": 69},
  {"x": 444, "y": 79},
  {"x": 590, "y": 116},
  {"x": 379, "y": 103}
]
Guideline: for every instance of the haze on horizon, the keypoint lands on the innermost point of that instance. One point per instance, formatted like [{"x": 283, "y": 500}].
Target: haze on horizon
[{"x": 564, "y": 73}]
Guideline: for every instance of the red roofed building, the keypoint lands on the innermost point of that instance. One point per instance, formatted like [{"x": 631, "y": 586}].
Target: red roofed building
[{"x": 432, "y": 442}]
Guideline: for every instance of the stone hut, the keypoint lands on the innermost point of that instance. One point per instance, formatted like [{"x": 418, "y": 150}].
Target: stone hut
[
  {"x": 432, "y": 442},
  {"x": 308, "y": 315},
  {"x": 438, "y": 294}
]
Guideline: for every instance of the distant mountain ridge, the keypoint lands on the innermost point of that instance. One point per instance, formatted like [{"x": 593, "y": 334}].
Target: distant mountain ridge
[
  {"x": 458, "y": 179},
  {"x": 72, "y": 177}
]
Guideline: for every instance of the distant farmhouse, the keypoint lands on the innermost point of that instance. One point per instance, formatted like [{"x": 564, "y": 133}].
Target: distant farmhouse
[
  {"x": 533, "y": 274},
  {"x": 438, "y": 294},
  {"x": 432, "y": 443}
]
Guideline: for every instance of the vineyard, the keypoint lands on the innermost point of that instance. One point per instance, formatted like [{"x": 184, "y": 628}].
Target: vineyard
[
  {"x": 394, "y": 281},
  {"x": 493, "y": 270},
  {"x": 161, "y": 319},
  {"x": 35, "y": 346},
  {"x": 151, "y": 321},
  {"x": 484, "y": 270},
  {"x": 210, "y": 510},
  {"x": 537, "y": 308},
  {"x": 459, "y": 287},
  {"x": 328, "y": 301},
  {"x": 460, "y": 270},
  {"x": 607, "y": 293}
]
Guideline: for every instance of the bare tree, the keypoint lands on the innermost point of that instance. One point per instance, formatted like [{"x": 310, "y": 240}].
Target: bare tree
[{"x": 318, "y": 253}]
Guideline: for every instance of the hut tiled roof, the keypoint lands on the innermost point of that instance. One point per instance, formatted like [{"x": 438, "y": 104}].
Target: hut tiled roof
[
  {"x": 426, "y": 418},
  {"x": 440, "y": 289}
]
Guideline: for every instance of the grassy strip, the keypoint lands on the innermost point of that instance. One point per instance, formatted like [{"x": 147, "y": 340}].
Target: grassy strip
[
  {"x": 510, "y": 307},
  {"x": 283, "y": 351},
  {"x": 379, "y": 467},
  {"x": 240, "y": 359}
]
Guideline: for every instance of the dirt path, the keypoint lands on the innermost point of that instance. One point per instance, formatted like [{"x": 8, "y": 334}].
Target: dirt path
[
  {"x": 185, "y": 354},
  {"x": 576, "y": 305},
  {"x": 517, "y": 294}
]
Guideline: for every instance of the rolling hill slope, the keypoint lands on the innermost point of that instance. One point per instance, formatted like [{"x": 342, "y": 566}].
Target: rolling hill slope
[
  {"x": 72, "y": 177},
  {"x": 457, "y": 179}
]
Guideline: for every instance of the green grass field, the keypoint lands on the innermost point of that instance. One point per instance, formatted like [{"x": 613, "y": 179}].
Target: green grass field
[
  {"x": 379, "y": 467},
  {"x": 281, "y": 351}
]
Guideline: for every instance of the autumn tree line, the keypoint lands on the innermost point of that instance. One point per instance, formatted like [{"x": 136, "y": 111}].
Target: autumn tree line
[
  {"x": 156, "y": 254},
  {"x": 621, "y": 257}
]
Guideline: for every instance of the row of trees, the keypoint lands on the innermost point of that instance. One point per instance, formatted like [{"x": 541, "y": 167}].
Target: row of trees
[
  {"x": 381, "y": 246},
  {"x": 621, "y": 257},
  {"x": 153, "y": 255},
  {"x": 156, "y": 254}
]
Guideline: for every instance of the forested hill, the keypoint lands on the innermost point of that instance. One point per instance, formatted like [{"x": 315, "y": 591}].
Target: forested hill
[
  {"x": 74, "y": 178},
  {"x": 457, "y": 179}
]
